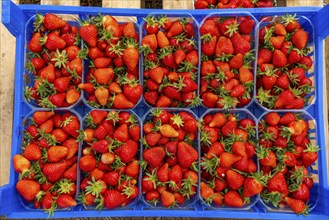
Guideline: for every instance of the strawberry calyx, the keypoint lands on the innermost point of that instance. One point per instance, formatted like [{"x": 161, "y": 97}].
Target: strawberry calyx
[
  {"x": 273, "y": 198},
  {"x": 153, "y": 178},
  {"x": 288, "y": 18},
  {"x": 209, "y": 165},
  {"x": 232, "y": 28},
  {"x": 187, "y": 66},
  {"x": 94, "y": 187},
  {"x": 311, "y": 148},
  {"x": 60, "y": 59},
  {"x": 156, "y": 112},
  {"x": 177, "y": 120},
  {"x": 63, "y": 186},
  {"x": 260, "y": 177},
  {"x": 113, "y": 116},
  {"x": 28, "y": 93},
  {"x": 151, "y": 21},
  {"x": 37, "y": 24},
  {"x": 195, "y": 102},
  {"x": 262, "y": 152},
  {"x": 225, "y": 57},
  {"x": 205, "y": 138},
  {"x": 128, "y": 191},
  {"x": 107, "y": 35},
  {"x": 296, "y": 179},
  {"x": 45, "y": 88},
  {"x": 206, "y": 38},
  {"x": 117, "y": 163},
  {"x": 67, "y": 121},
  {"x": 264, "y": 97},
  {"x": 45, "y": 103},
  {"x": 116, "y": 49},
  {"x": 228, "y": 102}
]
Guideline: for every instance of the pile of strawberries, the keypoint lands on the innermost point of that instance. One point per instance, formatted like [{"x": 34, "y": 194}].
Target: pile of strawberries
[
  {"x": 228, "y": 170},
  {"x": 113, "y": 77},
  {"x": 110, "y": 162},
  {"x": 55, "y": 63},
  {"x": 285, "y": 153},
  {"x": 283, "y": 61},
  {"x": 211, "y": 4},
  {"x": 170, "y": 159},
  {"x": 48, "y": 162},
  {"x": 170, "y": 62},
  {"x": 227, "y": 58}
]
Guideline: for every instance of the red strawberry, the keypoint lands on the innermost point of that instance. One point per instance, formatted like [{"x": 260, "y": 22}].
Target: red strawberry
[
  {"x": 279, "y": 59},
  {"x": 278, "y": 184},
  {"x": 234, "y": 179},
  {"x": 88, "y": 33},
  {"x": 113, "y": 199},
  {"x": 285, "y": 98},
  {"x": 54, "y": 171},
  {"x": 127, "y": 151},
  {"x": 65, "y": 201},
  {"x": 240, "y": 44},
  {"x": 299, "y": 39},
  {"x": 298, "y": 206},
  {"x": 154, "y": 156},
  {"x": 52, "y": 21},
  {"x": 233, "y": 199},
  {"x": 28, "y": 189},
  {"x": 186, "y": 154},
  {"x": 167, "y": 199},
  {"x": 34, "y": 44}
]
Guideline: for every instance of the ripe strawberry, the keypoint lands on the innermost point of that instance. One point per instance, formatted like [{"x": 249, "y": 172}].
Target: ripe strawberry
[
  {"x": 167, "y": 199},
  {"x": 240, "y": 44},
  {"x": 299, "y": 39},
  {"x": 54, "y": 171},
  {"x": 127, "y": 151},
  {"x": 21, "y": 164},
  {"x": 28, "y": 189},
  {"x": 186, "y": 154},
  {"x": 233, "y": 199},
  {"x": 298, "y": 206},
  {"x": 278, "y": 184},
  {"x": 227, "y": 159},
  {"x": 286, "y": 97},
  {"x": 121, "y": 102},
  {"x": 234, "y": 179},
  {"x": 56, "y": 153},
  {"x": 32, "y": 152},
  {"x": 65, "y": 201},
  {"x": 88, "y": 33},
  {"x": 87, "y": 163},
  {"x": 154, "y": 156},
  {"x": 52, "y": 21}
]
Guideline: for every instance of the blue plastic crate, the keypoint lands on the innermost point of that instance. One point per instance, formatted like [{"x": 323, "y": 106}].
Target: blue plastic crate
[{"x": 15, "y": 19}]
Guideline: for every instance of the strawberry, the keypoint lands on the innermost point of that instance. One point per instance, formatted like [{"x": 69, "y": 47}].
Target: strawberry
[
  {"x": 28, "y": 189},
  {"x": 21, "y": 164},
  {"x": 56, "y": 153},
  {"x": 51, "y": 21},
  {"x": 310, "y": 155},
  {"x": 122, "y": 102},
  {"x": 54, "y": 171},
  {"x": 32, "y": 152},
  {"x": 34, "y": 44},
  {"x": 131, "y": 55},
  {"x": 299, "y": 39},
  {"x": 186, "y": 154},
  {"x": 240, "y": 44},
  {"x": 127, "y": 151},
  {"x": 227, "y": 159},
  {"x": 278, "y": 184},
  {"x": 285, "y": 98},
  {"x": 154, "y": 156},
  {"x": 298, "y": 206},
  {"x": 87, "y": 163},
  {"x": 233, "y": 199},
  {"x": 65, "y": 201},
  {"x": 224, "y": 46},
  {"x": 167, "y": 199},
  {"x": 279, "y": 59},
  {"x": 88, "y": 33},
  {"x": 234, "y": 179}
]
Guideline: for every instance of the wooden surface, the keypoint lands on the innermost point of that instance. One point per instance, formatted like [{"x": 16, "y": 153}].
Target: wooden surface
[{"x": 7, "y": 61}]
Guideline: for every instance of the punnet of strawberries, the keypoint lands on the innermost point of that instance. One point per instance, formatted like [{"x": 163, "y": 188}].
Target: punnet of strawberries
[
  {"x": 229, "y": 174},
  {"x": 112, "y": 50},
  {"x": 53, "y": 64},
  {"x": 170, "y": 158},
  {"x": 283, "y": 64},
  {"x": 220, "y": 4},
  {"x": 227, "y": 79},
  {"x": 170, "y": 52},
  {"x": 286, "y": 152},
  {"x": 110, "y": 159},
  {"x": 48, "y": 162}
]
